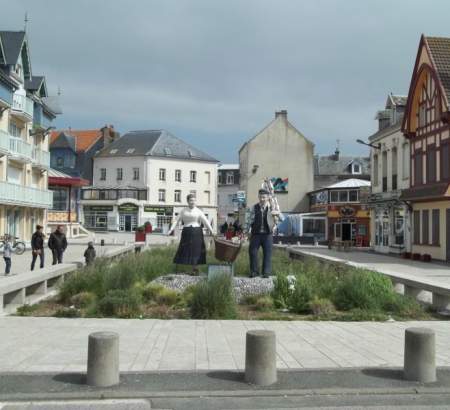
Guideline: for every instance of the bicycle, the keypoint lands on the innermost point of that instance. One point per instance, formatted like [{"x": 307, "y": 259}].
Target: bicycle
[{"x": 18, "y": 246}]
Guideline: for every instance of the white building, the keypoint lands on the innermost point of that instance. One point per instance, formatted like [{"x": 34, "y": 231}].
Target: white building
[
  {"x": 146, "y": 176},
  {"x": 228, "y": 187}
]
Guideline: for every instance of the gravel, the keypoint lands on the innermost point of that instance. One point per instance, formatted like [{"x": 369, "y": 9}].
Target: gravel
[{"x": 242, "y": 286}]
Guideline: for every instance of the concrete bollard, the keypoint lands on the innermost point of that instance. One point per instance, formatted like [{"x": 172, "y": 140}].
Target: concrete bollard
[
  {"x": 103, "y": 359},
  {"x": 260, "y": 357},
  {"x": 420, "y": 362}
]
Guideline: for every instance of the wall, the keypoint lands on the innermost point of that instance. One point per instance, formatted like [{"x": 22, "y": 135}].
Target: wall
[{"x": 127, "y": 164}]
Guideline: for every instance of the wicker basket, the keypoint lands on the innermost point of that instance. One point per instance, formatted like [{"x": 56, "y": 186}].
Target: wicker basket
[{"x": 226, "y": 251}]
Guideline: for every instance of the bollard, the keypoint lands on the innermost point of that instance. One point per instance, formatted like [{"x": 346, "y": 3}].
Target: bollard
[
  {"x": 260, "y": 357},
  {"x": 419, "y": 364},
  {"x": 103, "y": 359}
]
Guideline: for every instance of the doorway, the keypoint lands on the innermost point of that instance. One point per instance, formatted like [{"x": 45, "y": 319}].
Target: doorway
[
  {"x": 346, "y": 232},
  {"x": 127, "y": 222}
]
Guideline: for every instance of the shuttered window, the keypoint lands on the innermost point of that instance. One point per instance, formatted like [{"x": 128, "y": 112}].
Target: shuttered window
[
  {"x": 431, "y": 163},
  {"x": 418, "y": 169},
  {"x": 425, "y": 226},
  {"x": 445, "y": 161},
  {"x": 416, "y": 227},
  {"x": 435, "y": 227}
]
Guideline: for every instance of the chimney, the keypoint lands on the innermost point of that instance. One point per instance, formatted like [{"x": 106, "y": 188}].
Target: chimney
[
  {"x": 109, "y": 135},
  {"x": 282, "y": 113},
  {"x": 336, "y": 154}
]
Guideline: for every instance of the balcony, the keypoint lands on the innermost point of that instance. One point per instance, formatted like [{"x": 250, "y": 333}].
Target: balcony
[
  {"x": 22, "y": 107},
  {"x": 41, "y": 159},
  {"x": 20, "y": 150},
  {"x": 40, "y": 120},
  {"x": 25, "y": 196}
]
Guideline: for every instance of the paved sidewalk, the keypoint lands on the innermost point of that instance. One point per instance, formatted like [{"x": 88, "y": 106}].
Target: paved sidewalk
[{"x": 60, "y": 345}]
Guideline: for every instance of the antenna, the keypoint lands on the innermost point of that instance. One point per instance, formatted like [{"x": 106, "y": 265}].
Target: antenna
[
  {"x": 25, "y": 20},
  {"x": 59, "y": 90}
]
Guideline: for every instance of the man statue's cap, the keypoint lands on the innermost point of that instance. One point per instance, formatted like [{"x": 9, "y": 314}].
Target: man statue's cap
[{"x": 263, "y": 192}]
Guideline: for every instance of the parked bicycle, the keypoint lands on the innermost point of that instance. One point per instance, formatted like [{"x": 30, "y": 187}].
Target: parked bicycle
[{"x": 18, "y": 246}]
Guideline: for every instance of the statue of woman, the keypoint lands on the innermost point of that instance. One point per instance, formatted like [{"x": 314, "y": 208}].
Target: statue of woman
[{"x": 191, "y": 250}]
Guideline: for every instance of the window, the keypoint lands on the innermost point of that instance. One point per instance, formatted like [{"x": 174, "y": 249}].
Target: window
[
  {"x": 167, "y": 151},
  {"x": 431, "y": 163},
  {"x": 435, "y": 227},
  {"x": 399, "y": 226},
  {"x": 193, "y": 176},
  {"x": 416, "y": 227},
  {"x": 422, "y": 115},
  {"x": 136, "y": 174},
  {"x": 220, "y": 178},
  {"x": 119, "y": 174},
  {"x": 162, "y": 174},
  {"x": 356, "y": 168},
  {"x": 102, "y": 174},
  {"x": 405, "y": 160},
  {"x": 334, "y": 196},
  {"x": 394, "y": 168},
  {"x": 208, "y": 177},
  {"x": 130, "y": 150},
  {"x": 384, "y": 169},
  {"x": 161, "y": 195},
  {"x": 178, "y": 175},
  {"x": 445, "y": 161},
  {"x": 230, "y": 178},
  {"x": 177, "y": 196},
  {"x": 15, "y": 130},
  {"x": 353, "y": 196},
  {"x": 375, "y": 169},
  {"x": 60, "y": 161},
  {"x": 208, "y": 197},
  {"x": 418, "y": 168},
  {"x": 343, "y": 196},
  {"x": 362, "y": 230},
  {"x": 425, "y": 226},
  {"x": 113, "y": 151},
  {"x": 60, "y": 199}
]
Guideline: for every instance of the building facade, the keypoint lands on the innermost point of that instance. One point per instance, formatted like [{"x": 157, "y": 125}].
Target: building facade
[
  {"x": 390, "y": 159},
  {"x": 426, "y": 124},
  {"x": 227, "y": 193},
  {"x": 146, "y": 176},
  {"x": 283, "y": 154},
  {"x": 26, "y": 113},
  {"x": 344, "y": 204}
]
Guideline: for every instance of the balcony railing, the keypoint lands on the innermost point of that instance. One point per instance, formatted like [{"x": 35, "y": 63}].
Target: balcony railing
[
  {"x": 21, "y": 195},
  {"x": 41, "y": 158},
  {"x": 23, "y": 104},
  {"x": 4, "y": 141},
  {"x": 19, "y": 147}
]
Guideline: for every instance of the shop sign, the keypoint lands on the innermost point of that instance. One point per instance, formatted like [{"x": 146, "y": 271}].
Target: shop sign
[
  {"x": 347, "y": 211},
  {"x": 128, "y": 208},
  {"x": 159, "y": 210},
  {"x": 98, "y": 208}
]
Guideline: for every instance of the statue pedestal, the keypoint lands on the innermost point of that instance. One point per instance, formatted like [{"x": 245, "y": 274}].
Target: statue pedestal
[{"x": 222, "y": 269}]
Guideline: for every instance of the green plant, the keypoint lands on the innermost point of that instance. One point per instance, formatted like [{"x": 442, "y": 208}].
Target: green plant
[
  {"x": 213, "y": 299},
  {"x": 83, "y": 299},
  {"x": 167, "y": 297},
  {"x": 404, "y": 307},
  {"x": 301, "y": 295},
  {"x": 150, "y": 291},
  {"x": 321, "y": 307},
  {"x": 26, "y": 310},
  {"x": 67, "y": 312},
  {"x": 264, "y": 303},
  {"x": 121, "y": 303},
  {"x": 282, "y": 290}
]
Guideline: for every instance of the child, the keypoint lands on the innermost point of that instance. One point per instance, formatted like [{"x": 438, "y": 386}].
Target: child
[
  {"x": 89, "y": 253},
  {"x": 7, "y": 249}
]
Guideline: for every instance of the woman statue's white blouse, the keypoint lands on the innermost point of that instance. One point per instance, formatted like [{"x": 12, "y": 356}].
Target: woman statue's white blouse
[{"x": 192, "y": 217}]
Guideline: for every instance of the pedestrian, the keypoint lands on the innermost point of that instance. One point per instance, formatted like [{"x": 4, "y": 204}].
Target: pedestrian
[
  {"x": 224, "y": 228},
  {"x": 7, "y": 250},
  {"x": 37, "y": 247},
  {"x": 58, "y": 244},
  {"x": 89, "y": 254}
]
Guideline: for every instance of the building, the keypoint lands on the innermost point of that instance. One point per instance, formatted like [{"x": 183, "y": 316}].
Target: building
[
  {"x": 390, "y": 216},
  {"x": 146, "y": 176},
  {"x": 26, "y": 113},
  {"x": 72, "y": 151},
  {"x": 66, "y": 209},
  {"x": 227, "y": 192},
  {"x": 282, "y": 153},
  {"x": 330, "y": 169},
  {"x": 347, "y": 215},
  {"x": 426, "y": 124}
]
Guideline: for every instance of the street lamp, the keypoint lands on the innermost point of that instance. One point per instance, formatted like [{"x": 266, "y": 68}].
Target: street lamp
[
  {"x": 45, "y": 132},
  {"x": 377, "y": 146}
]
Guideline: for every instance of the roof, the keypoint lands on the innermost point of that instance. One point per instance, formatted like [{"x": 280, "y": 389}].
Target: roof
[
  {"x": 83, "y": 139},
  {"x": 329, "y": 165},
  {"x": 386, "y": 131},
  {"x": 57, "y": 174},
  {"x": 396, "y": 100},
  {"x": 56, "y": 177},
  {"x": 12, "y": 42},
  {"x": 350, "y": 183},
  {"x": 52, "y": 104},
  {"x": 34, "y": 83},
  {"x": 440, "y": 52},
  {"x": 429, "y": 191},
  {"x": 229, "y": 166},
  {"x": 155, "y": 143}
]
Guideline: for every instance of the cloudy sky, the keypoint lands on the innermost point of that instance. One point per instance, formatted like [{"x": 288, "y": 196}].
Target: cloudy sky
[{"x": 214, "y": 72}]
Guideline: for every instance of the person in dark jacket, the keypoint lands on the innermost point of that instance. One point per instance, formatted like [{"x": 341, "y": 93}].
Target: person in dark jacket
[
  {"x": 58, "y": 244},
  {"x": 89, "y": 253},
  {"x": 37, "y": 247}
]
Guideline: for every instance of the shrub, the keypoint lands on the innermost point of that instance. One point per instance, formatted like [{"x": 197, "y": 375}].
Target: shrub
[
  {"x": 213, "y": 299},
  {"x": 282, "y": 290},
  {"x": 151, "y": 290},
  {"x": 68, "y": 312},
  {"x": 167, "y": 297},
  {"x": 121, "y": 303},
  {"x": 264, "y": 303},
  {"x": 26, "y": 310},
  {"x": 321, "y": 307},
  {"x": 302, "y": 295},
  {"x": 404, "y": 307},
  {"x": 83, "y": 299},
  {"x": 363, "y": 289}
]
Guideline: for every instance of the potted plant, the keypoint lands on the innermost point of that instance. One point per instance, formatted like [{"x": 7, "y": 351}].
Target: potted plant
[
  {"x": 139, "y": 234},
  {"x": 426, "y": 257},
  {"x": 148, "y": 227},
  {"x": 406, "y": 255},
  {"x": 416, "y": 256}
]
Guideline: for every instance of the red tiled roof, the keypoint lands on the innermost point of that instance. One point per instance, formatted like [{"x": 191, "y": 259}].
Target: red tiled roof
[{"x": 84, "y": 138}]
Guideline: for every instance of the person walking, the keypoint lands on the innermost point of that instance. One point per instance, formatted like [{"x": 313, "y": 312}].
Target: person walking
[
  {"x": 37, "y": 247},
  {"x": 7, "y": 251},
  {"x": 89, "y": 254},
  {"x": 58, "y": 244}
]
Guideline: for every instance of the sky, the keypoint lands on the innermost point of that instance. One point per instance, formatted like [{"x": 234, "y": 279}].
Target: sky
[{"x": 214, "y": 72}]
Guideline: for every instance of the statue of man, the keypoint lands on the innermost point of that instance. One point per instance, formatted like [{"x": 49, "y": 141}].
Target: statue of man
[{"x": 261, "y": 226}]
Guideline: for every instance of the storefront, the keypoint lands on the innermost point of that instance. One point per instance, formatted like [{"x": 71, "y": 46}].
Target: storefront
[
  {"x": 128, "y": 217},
  {"x": 96, "y": 216},
  {"x": 159, "y": 216}
]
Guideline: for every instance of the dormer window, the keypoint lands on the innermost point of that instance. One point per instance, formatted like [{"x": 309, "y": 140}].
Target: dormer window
[
  {"x": 129, "y": 150},
  {"x": 18, "y": 70},
  {"x": 190, "y": 153},
  {"x": 356, "y": 168},
  {"x": 167, "y": 151},
  {"x": 113, "y": 151}
]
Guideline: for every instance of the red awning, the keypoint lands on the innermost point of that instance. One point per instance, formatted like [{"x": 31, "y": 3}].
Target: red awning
[{"x": 67, "y": 181}]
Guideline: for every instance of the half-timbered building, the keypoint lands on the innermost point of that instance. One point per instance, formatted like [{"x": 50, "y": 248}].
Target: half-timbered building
[{"x": 426, "y": 125}]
